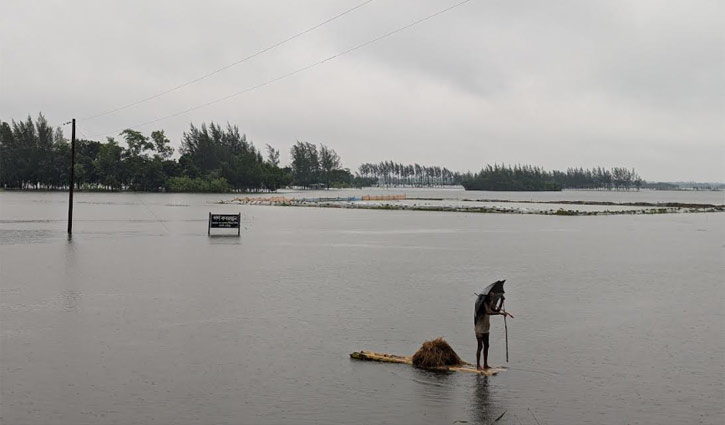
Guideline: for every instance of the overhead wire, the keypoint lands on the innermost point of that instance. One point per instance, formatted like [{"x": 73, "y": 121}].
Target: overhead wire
[
  {"x": 297, "y": 71},
  {"x": 82, "y": 133},
  {"x": 225, "y": 67},
  {"x": 77, "y": 128}
]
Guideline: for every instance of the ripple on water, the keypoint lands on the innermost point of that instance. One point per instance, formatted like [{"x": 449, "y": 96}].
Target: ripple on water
[{"x": 28, "y": 236}]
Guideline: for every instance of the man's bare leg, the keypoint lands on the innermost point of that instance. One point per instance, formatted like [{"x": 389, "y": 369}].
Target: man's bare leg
[
  {"x": 485, "y": 351},
  {"x": 479, "y": 339}
]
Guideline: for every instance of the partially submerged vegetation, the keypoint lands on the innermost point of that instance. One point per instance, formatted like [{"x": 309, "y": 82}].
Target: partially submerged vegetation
[
  {"x": 216, "y": 158},
  {"x": 34, "y": 155},
  {"x": 393, "y": 202},
  {"x": 532, "y": 179},
  {"x": 601, "y": 203},
  {"x": 390, "y": 173},
  {"x": 213, "y": 158}
]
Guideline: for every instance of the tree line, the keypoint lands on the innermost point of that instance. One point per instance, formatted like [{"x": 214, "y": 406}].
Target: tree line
[
  {"x": 215, "y": 158},
  {"x": 212, "y": 158},
  {"x": 314, "y": 168},
  {"x": 531, "y": 178},
  {"x": 389, "y": 173}
]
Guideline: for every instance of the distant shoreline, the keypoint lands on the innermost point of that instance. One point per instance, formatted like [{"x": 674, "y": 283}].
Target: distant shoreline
[{"x": 363, "y": 188}]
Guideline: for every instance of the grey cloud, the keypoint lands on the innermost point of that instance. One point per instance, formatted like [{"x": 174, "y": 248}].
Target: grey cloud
[{"x": 556, "y": 83}]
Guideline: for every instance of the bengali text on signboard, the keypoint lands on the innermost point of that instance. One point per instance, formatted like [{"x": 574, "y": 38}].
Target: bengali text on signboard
[{"x": 224, "y": 221}]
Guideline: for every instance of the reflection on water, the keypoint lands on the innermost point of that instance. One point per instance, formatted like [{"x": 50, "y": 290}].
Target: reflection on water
[
  {"x": 224, "y": 240},
  {"x": 143, "y": 318},
  {"x": 481, "y": 405}
]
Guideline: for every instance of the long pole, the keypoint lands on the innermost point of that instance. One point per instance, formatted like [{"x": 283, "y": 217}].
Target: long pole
[
  {"x": 506, "y": 330},
  {"x": 72, "y": 176}
]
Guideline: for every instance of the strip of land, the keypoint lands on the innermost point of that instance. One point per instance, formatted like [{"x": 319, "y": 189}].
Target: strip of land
[{"x": 401, "y": 202}]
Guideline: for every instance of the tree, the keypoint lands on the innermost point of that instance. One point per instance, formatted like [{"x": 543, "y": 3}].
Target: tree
[
  {"x": 9, "y": 171},
  {"x": 272, "y": 156},
  {"x": 213, "y": 151},
  {"x": 44, "y": 152},
  {"x": 137, "y": 169},
  {"x": 526, "y": 177},
  {"x": 86, "y": 173},
  {"x": 329, "y": 162},
  {"x": 162, "y": 145},
  {"x": 305, "y": 164},
  {"x": 137, "y": 143},
  {"x": 395, "y": 174},
  {"x": 26, "y": 152},
  {"x": 108, "y": 164}
]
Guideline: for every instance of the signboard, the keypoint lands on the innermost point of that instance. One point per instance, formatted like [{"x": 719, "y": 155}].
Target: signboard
[{"x": 225, "y": 221}]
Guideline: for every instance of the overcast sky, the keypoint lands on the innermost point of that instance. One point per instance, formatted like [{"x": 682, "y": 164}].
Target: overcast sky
[{"x": 638, "y": 84}]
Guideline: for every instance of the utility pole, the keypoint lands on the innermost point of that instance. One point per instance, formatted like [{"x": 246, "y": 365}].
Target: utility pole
[{"x": 72, "y": 176}]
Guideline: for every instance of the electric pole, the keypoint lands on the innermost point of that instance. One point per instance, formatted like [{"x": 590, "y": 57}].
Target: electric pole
[{"x": 72, "y": 176}]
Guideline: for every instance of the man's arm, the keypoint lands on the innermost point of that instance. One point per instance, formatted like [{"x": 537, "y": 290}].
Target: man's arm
[
  {"x": 497, "y": 312},
  {"x": 500, "y": 303},
  {"x": 500, "y": 306}
]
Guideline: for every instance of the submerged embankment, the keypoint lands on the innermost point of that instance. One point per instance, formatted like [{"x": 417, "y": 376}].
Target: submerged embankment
[{"x": 496, "y": 206}]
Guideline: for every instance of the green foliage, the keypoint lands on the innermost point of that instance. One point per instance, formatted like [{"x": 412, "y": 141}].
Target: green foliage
[
  {"x": 276, "y": 178},
  {"x": 272, "y": 156},
  {"x": 187, "y": 184},
  {"x": 598, "y": 178},
  {"x": 8, "y": 160},
  {"x": 161, "y": 145},
  {"x": 216, "y": 159},
  {"x": 518, "y": 178},
  {"x": 224, "y": 152},
  {"x": 529, "y": 178},
  {"x": 313, "y": 168},
  {"x": 389, "y": 173},
  {"x": 29, "y": 154},
  {"x": 213, "y": 159},
  {"x": 660, "y": 186},
  {"x": 109, "y": 167},
  {"x": 360, "y": 182},
  {"x": 137, "y": 144},
  {"x": 305, "y": 164},
  {"x": 330, "y": 166}
]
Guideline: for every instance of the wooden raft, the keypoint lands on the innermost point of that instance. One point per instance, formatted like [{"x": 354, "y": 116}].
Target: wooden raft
[{"x": 393, "y": 358}]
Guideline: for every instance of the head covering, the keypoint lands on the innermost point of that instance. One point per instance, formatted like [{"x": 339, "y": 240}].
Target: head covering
[{"x": 494, "y": 288}]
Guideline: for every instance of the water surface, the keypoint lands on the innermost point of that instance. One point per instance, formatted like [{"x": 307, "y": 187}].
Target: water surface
[{"x": 143, "y": 319}]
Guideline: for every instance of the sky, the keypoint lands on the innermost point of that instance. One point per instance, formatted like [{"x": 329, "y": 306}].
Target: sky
[{"x": 637, "y": 84}]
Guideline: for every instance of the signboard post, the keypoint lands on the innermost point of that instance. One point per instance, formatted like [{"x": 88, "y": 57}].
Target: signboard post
[{"x": 225, "y": 221}]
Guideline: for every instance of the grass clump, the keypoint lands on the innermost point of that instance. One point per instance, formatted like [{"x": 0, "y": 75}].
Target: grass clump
[{"x": 436, "y": 353}]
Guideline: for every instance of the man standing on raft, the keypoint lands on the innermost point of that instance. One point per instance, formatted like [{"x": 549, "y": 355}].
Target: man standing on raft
[{"x": 486, "y": 306}]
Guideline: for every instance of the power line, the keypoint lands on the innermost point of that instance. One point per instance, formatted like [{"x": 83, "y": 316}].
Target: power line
[
  {"x": 82, "y": 133},
  {"x": 297, "y": 71},
  {"x": 218, "y": 70}
]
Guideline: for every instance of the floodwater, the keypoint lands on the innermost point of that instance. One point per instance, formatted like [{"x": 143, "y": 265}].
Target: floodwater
[{"x": 143, "y": 319}]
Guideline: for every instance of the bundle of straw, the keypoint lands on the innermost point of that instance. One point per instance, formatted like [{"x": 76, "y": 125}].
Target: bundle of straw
[{"x": 436, "y": 353}]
